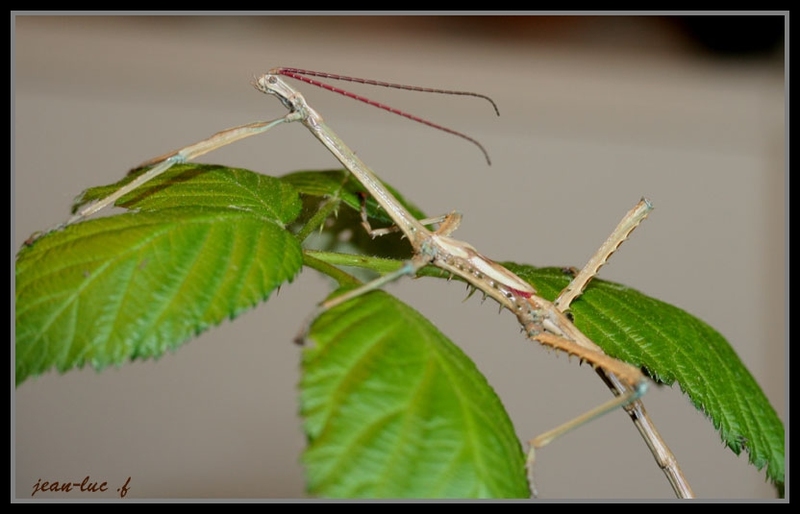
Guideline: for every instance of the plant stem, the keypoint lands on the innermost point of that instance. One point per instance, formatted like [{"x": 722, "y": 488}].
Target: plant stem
[
  {"x": 343, "y": 278},
  {"x": 318, "y": 219}
]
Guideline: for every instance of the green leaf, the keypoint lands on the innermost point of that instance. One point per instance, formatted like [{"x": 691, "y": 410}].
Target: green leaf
[
  {"x": 208, "y": 244},
  {"x": 341, "y": 184},
  {"x": 394, "y": 410},
  {"x": 674, "y": 346},
  {"x": 325, "y": 191},
  {"x": 206, "y": 185}
]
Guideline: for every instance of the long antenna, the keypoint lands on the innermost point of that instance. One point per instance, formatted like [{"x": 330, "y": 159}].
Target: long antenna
[{"x": 303, "y": 75}]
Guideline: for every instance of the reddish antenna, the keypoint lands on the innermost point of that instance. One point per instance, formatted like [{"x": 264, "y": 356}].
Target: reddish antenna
[{"x": 304, "y": 76}]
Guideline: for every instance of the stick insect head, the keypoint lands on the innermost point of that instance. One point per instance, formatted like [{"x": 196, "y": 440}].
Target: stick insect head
[{"x": 271, "y": 84}]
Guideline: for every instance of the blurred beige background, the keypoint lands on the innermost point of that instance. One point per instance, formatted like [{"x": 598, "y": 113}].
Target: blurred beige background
[{"x": 595, "y": 113}]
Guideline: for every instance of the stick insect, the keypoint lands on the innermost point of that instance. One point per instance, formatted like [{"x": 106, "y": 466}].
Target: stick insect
[{"x": 542, "y": 321}]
